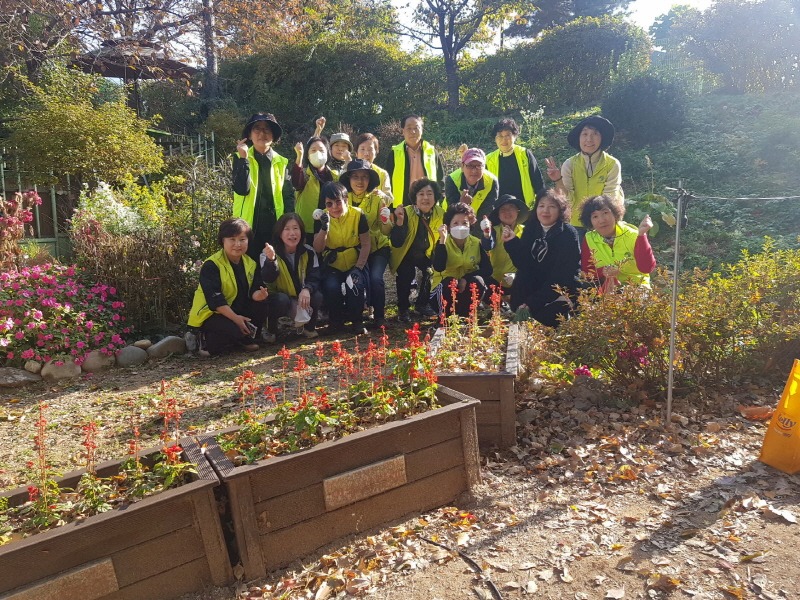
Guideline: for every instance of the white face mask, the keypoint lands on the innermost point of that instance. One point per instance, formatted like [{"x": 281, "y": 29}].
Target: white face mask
[
  {"x": 460, "y": 232},
  {"x": 317, "y": 159}
]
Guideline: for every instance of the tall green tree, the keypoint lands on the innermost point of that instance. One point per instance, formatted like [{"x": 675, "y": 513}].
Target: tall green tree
[
  {"x": 752, "y": 46},
  {"x": 551, "y": 13},
  {"x": 450, "y": 26}
]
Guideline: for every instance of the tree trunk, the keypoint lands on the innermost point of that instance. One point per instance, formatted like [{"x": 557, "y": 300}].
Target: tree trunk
[
  {"x": 453, "y": 83},
  {"x": 211, "y": 84}
]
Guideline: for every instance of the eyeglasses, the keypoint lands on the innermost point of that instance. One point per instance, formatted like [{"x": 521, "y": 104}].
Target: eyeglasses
[
  {"x": 474, "y": 166},
  {"x": 539, "y": 249},
  {"x": 329, "y": 203}
]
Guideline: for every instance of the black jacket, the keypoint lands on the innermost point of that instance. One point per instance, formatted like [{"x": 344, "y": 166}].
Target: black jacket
[{"x": 561, "y": 265}]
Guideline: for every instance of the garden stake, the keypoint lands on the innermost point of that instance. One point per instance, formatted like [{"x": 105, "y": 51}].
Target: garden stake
[{"x": 681, "y": 201}]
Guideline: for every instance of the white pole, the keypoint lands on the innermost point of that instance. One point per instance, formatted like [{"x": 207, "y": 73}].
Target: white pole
[{"x": 673, "y": 311}]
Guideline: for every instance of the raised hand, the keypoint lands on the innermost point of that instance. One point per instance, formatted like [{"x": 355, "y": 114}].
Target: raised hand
[
  {"x": 646, "y": 225},
  {"x": 465, "y": 198},
  {"x": 260, "y": 294},
  {"x": 269, "y": 252},
  {"x": 443, "y": 233},
  {"x": 320, "y": 123},
  {"x": 399, "y": 215},
  {"x": 553, "y": 170},
  {"x": 508, "y": 234},
  {"x": 242, "y": 148},
  {"x": 298, "y": 152}
]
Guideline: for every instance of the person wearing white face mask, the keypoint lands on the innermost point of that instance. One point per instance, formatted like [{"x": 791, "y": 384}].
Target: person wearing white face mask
[
  {"x": 308, "y": 178},
  {"x": 458, "y": 256}
]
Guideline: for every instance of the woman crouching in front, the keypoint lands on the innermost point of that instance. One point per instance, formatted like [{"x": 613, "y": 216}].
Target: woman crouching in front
[{"x": 229, "y": 306}]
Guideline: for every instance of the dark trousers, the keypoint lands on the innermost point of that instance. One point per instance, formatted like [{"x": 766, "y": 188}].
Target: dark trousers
[
  {"x": 223, "y": 335},
  {"x": 280, "y": 305},
  {"x": 377, "y": 263},
  {"x": 463, "y": 299},
  {"x": 406, "y": 272},
  {"x": 348, "y": 306},
  {"x": 548, "y": 314}
]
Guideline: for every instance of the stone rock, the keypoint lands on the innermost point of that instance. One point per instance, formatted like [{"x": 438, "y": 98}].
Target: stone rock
[
  {"x": 524, "y": 417},
  {"x": 33, "y": 366},
  {"x": 169, "y": 345},
  {"x": 54, "y": 372},
  {"x": 131, "y": 356},
  {"x": 96, "y": 361},
  {"x": 11, "y": 377},
  {"x": 143, "y": 344}
]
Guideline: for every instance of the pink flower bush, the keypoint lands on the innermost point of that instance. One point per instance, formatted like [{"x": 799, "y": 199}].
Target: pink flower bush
[
  {"x": 47, "y": 312},
  {"x": 15, "y": 214}
]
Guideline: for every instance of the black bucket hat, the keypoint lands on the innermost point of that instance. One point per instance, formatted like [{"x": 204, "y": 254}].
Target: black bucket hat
[
  {"x": 268, "y": 118},
  {"x": 359, "y": 164},
  {"x": 603, "y": 125},
  {"x": 494, "y": 216}
]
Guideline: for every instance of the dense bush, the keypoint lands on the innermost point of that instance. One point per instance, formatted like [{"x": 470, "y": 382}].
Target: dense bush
[
  {"x": 733, "y": 323},
  {"x": 646, "y": 110}
]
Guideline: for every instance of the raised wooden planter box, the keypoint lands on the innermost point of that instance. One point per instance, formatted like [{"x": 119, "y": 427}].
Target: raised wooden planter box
[
  {"x": 157, "y": 548},
  {"x": 496, "y": 415},
  {"x": 288, "y": 506}
]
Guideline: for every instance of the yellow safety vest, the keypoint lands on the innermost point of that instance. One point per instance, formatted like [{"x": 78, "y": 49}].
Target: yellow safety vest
[
  {"x": 343, "y": 235},
  {"x": 620, "y": 254},
  {"x": 307, "y": 199},
  {"x": 399, "y": 173},
  {"x": 244, "y": 206},
  {"x": 459, "y": 262},
  {"x": 200, "y": 311},
  {"x": 415, "y": 221},
  {"x": 480, "y": 195},
  {"x": 370, "y": 204},
  {"x": 385, "y": 184},
  {"x": 493, "y": 166},
  {"x": 284, "y": 283},
  {"x": 584, "y": 186},
  {"x": 501, "y": 261}
]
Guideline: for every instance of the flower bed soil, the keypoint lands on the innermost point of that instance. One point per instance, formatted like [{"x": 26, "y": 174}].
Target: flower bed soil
[
  {"x": 158, "y": 548},
  {"x": 287, "y": 506},
  {"x": 496, "y": 415}
]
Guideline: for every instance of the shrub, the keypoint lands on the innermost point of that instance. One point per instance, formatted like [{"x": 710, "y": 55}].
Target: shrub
[
  {"x": 646, "y": 110},
  {"x": 50, "y": 312},
  {"x": 740, "y": 321},
  {"x": 14, "y": 214}
]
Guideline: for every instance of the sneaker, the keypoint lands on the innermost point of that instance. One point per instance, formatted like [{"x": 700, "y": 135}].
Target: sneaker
[
  {"x": 191, "y": 341},
  {"x": 250, "y": 347},
  {"x": 404, "y": 316},
  {"x": 309, "y": 334},
  {"x": 269, "y": 338}
]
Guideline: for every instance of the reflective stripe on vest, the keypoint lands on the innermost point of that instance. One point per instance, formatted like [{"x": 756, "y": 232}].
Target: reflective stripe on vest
[
  {"x": 244, "y": 206},
  {"x": 399, "y": 173},
  {"x": 200, "y": 311},
  {"x": 493, "y": 166}
]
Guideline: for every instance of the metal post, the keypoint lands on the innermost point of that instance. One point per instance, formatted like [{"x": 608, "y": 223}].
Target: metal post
[
  {"x": 213, "y": 150},
  {"x": 3, "y": 171},
  {"x": 673, "y": 309}
]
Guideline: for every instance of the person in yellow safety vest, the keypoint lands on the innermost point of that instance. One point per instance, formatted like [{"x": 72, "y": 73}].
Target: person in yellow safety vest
[
  {"x": 510, "y": 212},
  {"x": 458, "y": 261},
  {"x": 614, "y": 252},
  {"x": 515, "y": 167},
  {"x": 413, "y": 237},
  {"x": 342, "y": 238},
  {"x": 412, "y": 159},
  {"x": 229, "y": 306},
  {"x": 290, "y": 269},
  {"x": 261, "y": 190},
  {"x": 341, "y": 148},
  {"x": 362, "y": 182},
  {"x": 309, "y": 173},
  {"x": 367, "y": 147},
  {"x": 592, "y": 171},
  {"x": 472, "y": 185}
]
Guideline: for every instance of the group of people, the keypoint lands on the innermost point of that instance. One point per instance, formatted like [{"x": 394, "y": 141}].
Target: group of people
[{"x": 320, "y": 234}]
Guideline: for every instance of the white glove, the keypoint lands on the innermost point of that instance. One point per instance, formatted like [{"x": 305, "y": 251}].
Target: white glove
[
  {"x": 385, "y": 214},
  {"x": 486, "y": 226}
]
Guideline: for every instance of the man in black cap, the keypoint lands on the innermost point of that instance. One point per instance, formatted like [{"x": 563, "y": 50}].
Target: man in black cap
[
  {"x": 592, "y": 171},
  {"x": 262, "y": 191}
]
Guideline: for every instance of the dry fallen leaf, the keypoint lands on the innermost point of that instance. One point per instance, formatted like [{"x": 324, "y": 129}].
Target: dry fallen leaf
[
  {"x": 531, "y": 587},
  {"x": 616, "y": 593},
  {"x": 526, "y": 566},
  {"x": 462, "y": 539},
  {"x": 786, "y": 515},
  {"x": 755, "y": 413}
]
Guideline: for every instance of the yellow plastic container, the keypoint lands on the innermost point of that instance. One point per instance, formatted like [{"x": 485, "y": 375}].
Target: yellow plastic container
[{"x": 781, "y": 448}]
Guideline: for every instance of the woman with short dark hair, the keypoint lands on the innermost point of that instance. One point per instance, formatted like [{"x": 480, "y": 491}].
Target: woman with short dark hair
[
  {"x": 613, "y": 251},
  {"x": 229, "y": 306},
  {"x": 515, "y": 167}
]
